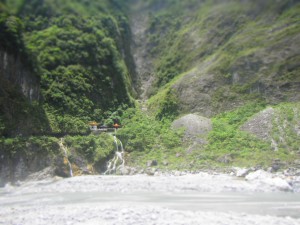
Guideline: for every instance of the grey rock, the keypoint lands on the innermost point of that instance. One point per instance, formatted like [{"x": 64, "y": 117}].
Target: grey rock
[
  {"x": 151, "y": 163},
  {"x": 264, "y": 178},
  {"x": 277, "y": 165},
  {"x": 261, "y": 124},
  {"x": 242, "y": 172},
  {"x": 297, "y": 164},
  {"x": 226, "y": 159},
  {"x": 150, "y": 171},
  {"x": 194, "y": 126},
  {"x": 133, "y": 171},
  {"x": 125, "y": 170}
]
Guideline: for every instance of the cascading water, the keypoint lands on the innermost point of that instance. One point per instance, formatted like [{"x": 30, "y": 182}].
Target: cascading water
[
  {"x": 119, "y": 156},
  {"x": 65, "y": 150}
]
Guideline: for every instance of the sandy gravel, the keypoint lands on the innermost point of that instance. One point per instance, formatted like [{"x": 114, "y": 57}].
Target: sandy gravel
[
  {"x": 190, "y": 199},
  {"x": 201, "y": 182},
  {"x": 128, "y": 214}
]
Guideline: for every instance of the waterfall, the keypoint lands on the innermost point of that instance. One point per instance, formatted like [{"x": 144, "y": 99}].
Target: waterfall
[
  {"x": 119, "y": 156},
  {"x": 65, "y": 150},
  {"x": 116, "y": 142}
]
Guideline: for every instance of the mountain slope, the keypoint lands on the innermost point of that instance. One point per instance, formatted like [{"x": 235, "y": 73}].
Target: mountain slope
[
  {"x": 226, "y": 60},
  {"x": 218, "y": 55}
]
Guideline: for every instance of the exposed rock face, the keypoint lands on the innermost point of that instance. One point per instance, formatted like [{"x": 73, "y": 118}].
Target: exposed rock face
[
  {"x": 20, "y": 166},
  {"x": 195, "y": 93},
  {"x": 196, "y": 130},
  {"x": 140, "y": 48},
  {"x": 224, "y": 59},
  {"x": 13, "y": 71},
  {"x": 19, "y": 89},
  {"x": 38, "y": 163},
  {"x": 261, "y": 124},
  {"x": 278, "y": 127},
  {"x": 194, "y": 125}
]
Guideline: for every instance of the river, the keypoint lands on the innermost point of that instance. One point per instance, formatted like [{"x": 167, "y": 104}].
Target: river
[{"x": 190, "y": 199}]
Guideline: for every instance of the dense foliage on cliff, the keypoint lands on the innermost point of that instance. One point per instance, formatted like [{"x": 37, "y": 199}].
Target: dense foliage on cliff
[
  {"x": 80, "y": 53},
  {"x": 78, "y": 46},
  {"x": 11, "y": 29},
  {"x": 200, "y": 56}
]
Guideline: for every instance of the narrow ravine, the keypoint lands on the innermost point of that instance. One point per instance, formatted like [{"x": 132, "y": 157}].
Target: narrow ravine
[{"x": 139, "y": 18}]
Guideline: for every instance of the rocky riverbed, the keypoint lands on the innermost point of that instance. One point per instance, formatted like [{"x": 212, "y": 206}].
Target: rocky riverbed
[{"x": 173, "y": 198}]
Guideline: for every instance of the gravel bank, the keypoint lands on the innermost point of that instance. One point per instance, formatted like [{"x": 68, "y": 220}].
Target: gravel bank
[{"x": 188, "y": 199}]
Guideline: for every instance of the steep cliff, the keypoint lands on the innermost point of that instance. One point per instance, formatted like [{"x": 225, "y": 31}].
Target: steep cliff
[
  {"x": 84, "y": 58},
  {"x": 40, "y": 157},
  {"x": 216, "y": 55},
  {"x": 13, "y": 73},
  {"x": 20, "y": 96}
]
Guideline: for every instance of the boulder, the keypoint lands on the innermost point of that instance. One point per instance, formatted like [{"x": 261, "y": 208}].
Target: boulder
[
  {"x": 194, "y": 126},
  {"x": 151, "y": 163},
  {"x": 150, "y": 171},
  {"x": 277, "y": 165},
  {"x": 297, "y": 164},
  {"x": 133, "y": 171},
  {"x": 258, "y": 175},
  {"x": 242, "y": 172},
  {"x": 278, "y": 183},
  {"x": 262, "y": 177}
]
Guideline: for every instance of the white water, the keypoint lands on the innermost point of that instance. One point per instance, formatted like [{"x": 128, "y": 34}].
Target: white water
[
  {"x": 66, "y": 156},
  {"x": 118, "y": 158},
  {"x": 190, "y": 199}
]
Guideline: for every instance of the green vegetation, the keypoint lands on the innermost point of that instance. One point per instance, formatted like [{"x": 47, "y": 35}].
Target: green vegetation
[
  {"x": 226, "y": 138},
  {"x": 225, "y": 56},
  {"x": 74, "y": 47},
  {"x": 11, "y": 28},
  {"x": 239, "y": 48},
  {"x": 94, "y": 148},
  {"x": 85, "y": 153},
  {"x": 227, "y": 144},
  {"x": 28, "y": 146},
  {"x": 82, "y": 70},
  {"x": 286, "y": 127},
  {"x": 146, "y": 138}
]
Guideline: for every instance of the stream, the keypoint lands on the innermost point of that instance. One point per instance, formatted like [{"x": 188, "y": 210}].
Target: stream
[{"x": 190, "y": 199}]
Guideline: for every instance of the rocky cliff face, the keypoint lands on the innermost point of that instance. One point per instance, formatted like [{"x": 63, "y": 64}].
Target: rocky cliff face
[
  {"x": 20, "y": 112},
  {"x": 13, "y": 73},
  {"x": 41, "y": 157},
  {"x": 20, "y": 166},
  {"x": 217, "y": 55}
]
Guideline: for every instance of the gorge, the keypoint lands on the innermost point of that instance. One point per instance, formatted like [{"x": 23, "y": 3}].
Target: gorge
[{"x": 206, "y": 92}]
